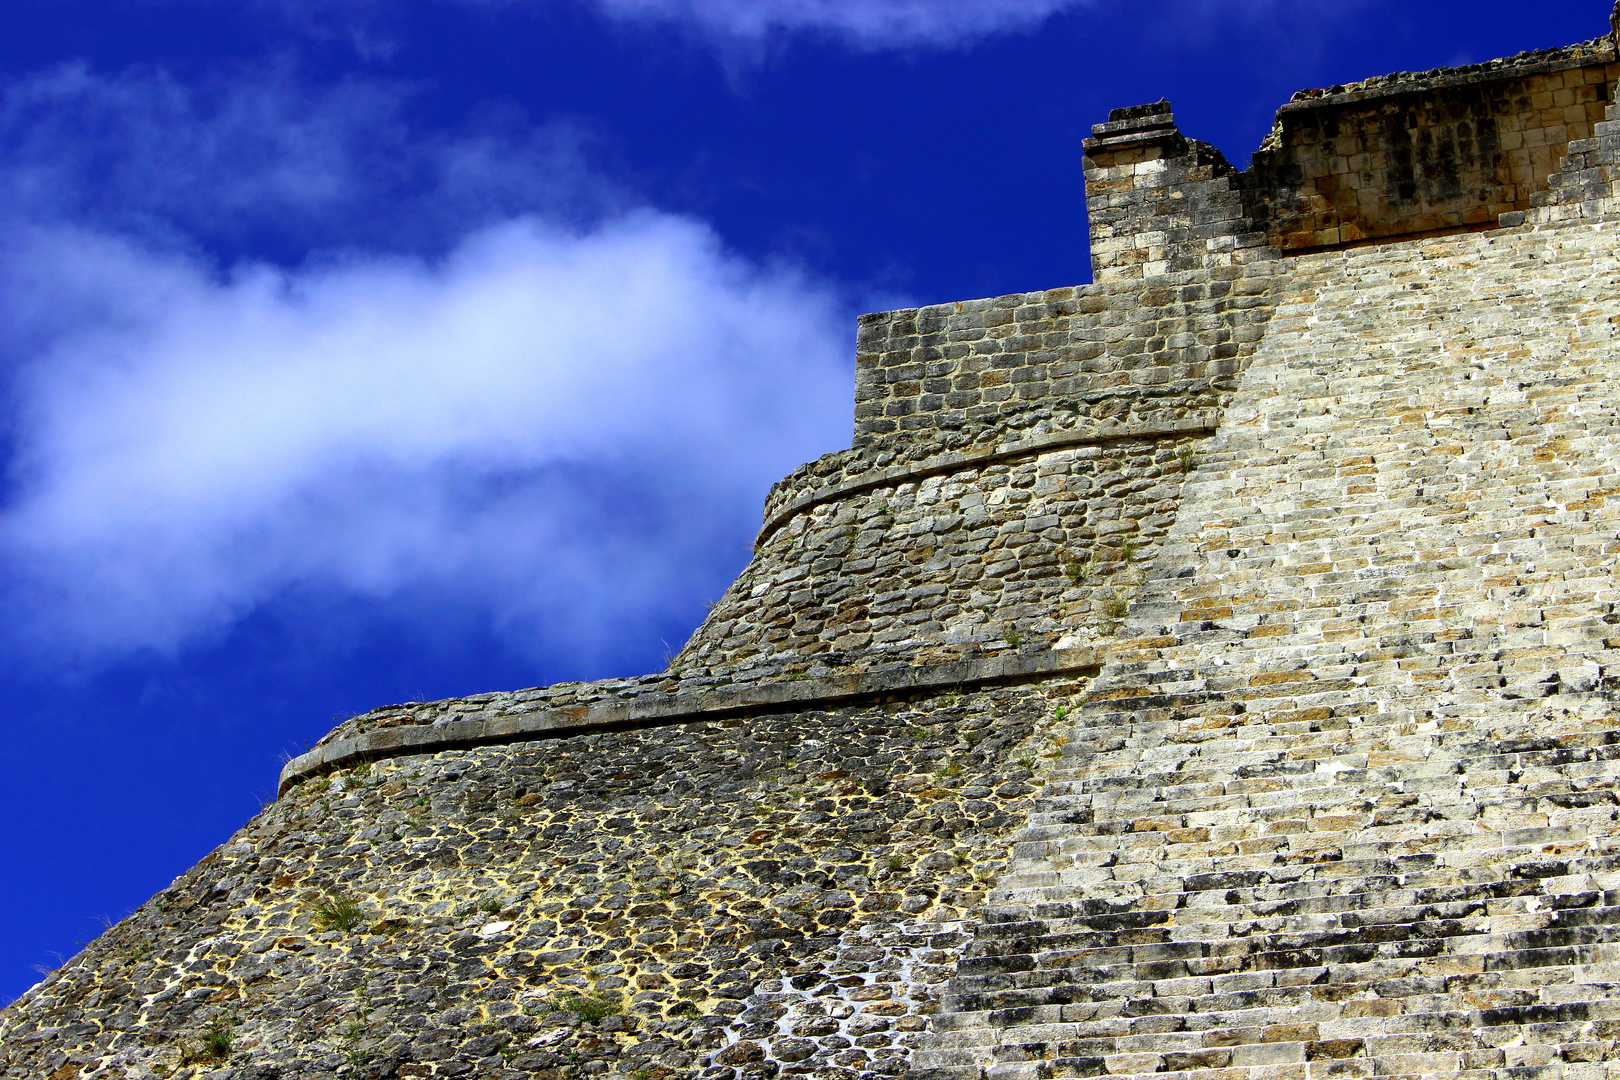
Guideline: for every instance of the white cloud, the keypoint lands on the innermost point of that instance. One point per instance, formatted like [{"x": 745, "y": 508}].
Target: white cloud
[
  {"x": 868, "y": 24},
  {"x": 550, "y": 426}
]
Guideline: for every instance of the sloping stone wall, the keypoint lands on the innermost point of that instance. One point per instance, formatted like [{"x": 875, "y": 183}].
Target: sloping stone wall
[
  {"x": 1043, "y": 551},
  {"x": 723, "y": 900}
]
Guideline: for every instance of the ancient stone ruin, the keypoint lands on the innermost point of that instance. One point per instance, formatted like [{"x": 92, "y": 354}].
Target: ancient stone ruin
[{"x": 1207, "y": 672}]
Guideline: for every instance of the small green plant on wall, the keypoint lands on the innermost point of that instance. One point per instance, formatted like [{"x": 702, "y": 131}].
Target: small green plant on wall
[
  {"x": 352, "y": 1034},
  {"x": 215, "y": 1044},
  {"x": 335, "y": 911},
  {"x": 1076, "y": 570},
  {"x": 592, "y": 1007}
]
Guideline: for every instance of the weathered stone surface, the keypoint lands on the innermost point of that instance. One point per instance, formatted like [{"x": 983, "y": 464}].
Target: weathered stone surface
[
  {"x": 1347, "y": 789},
  {"x": 786, "y": 890},
  {"x": 523, "y": 717},
  {"x": 1210, "y": 671},
  {"x": 1423, "y": 153}
]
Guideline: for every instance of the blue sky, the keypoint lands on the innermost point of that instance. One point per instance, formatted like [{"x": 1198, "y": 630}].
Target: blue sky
[{"x": 355, "y": 352}]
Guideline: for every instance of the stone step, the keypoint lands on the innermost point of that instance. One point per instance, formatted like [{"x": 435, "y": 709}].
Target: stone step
[
  {"x": 1421, "y": 888},
  {"x": 1118, "y": 1002},
  {"x": 1085, "y": 775},
  {"x": 1082, "y": 942},
  {"x": 1376, "y": 1033}
]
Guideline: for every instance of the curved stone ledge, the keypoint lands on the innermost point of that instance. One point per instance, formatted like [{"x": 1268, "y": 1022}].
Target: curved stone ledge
[
  {"x": 657, "y": 709},
  {"x": 1201, "y": 421}
]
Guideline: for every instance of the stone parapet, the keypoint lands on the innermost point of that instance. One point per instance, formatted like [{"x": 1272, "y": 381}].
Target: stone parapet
[{"x": 1160, "y": 203}]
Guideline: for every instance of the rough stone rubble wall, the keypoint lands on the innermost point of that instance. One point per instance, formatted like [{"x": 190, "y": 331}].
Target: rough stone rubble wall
[
  {"x": 1037, "y": 553},
  {"x": 1345, "y": 804},
  {"x": 715, "y": 899}
]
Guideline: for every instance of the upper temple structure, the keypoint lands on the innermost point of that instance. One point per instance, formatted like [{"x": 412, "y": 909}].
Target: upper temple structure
[{"x": 1207, "y": 672}]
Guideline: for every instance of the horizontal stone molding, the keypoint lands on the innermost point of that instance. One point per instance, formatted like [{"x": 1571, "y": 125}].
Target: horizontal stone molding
[
  {"x": 660, "y": 709},
  {"x": 1199, "y": 422}
]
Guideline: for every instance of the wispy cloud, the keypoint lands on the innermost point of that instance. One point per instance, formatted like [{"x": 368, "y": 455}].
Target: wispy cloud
[
  {"x": 741, "y": 29},
  {"x": 547, "y": 423},
  {"x": 865, "y": 24},
  {"x": 253, "y": 153}
]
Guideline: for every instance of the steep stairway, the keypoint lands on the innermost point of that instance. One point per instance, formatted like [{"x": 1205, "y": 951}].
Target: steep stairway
[{"x": 1344, "y": 801}]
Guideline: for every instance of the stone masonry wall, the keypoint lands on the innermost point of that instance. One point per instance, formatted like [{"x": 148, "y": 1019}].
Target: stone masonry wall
[
  {"x": 1584, "y": 186},
  {"x": 733, "y": 899},
  {"x": 1344, "y": 802},
  {"x": 1042, "y": 552},
  {"x": 958, "y": 374},
  {"x": 1160, "y": 203},
  {"x": 1422, "y": 153}
]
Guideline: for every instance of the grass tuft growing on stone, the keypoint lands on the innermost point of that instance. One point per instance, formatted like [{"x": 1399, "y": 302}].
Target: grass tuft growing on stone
[
  {"x": 335, "y": 911},
  {"x": 592, "y": 1007},
  {"x": 214, "y": 1045}
]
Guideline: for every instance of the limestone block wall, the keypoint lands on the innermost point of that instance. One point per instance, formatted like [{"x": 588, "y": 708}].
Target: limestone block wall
[
  {"x": 1009, "y": 510},
  {"x": 955, "y": 375},
  {"x": 1160, "y": 203},
  {"x": 1416, "y": 153},
  {"x": 1584, "y": 186},
  {"x": 1345, "y": 801}
]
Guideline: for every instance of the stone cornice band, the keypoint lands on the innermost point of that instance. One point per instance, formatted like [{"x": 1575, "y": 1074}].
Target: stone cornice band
[
  {"x": 1203, "y": 420},
  {"x": 1413, "y": 84},
  {"x": 660, "y": 709}
]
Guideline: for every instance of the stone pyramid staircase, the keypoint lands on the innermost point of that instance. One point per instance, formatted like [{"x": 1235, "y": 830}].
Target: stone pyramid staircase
[{"x": 1344, "y": 801}]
